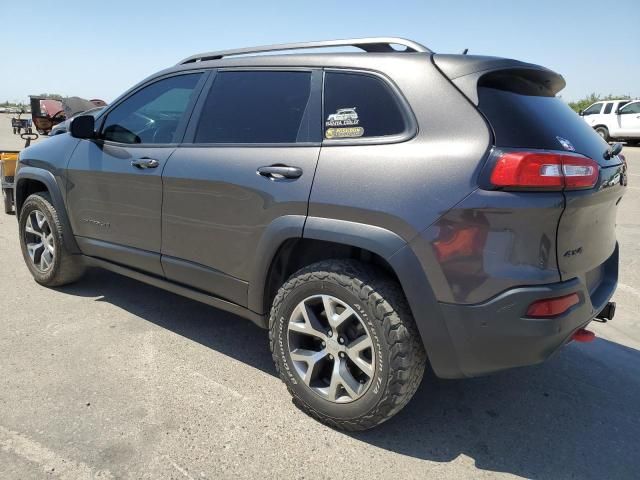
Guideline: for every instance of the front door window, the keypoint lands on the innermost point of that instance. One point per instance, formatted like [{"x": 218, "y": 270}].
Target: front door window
[{"x": 152, "y": 114}]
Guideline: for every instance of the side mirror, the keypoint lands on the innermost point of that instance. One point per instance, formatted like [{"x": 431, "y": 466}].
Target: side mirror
[
  {"x": 581, "y": 113},
  {"x": 83, "y": 126}
]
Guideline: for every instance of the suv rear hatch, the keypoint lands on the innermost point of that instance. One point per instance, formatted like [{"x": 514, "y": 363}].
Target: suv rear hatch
[{"x": 518, "y": 100}]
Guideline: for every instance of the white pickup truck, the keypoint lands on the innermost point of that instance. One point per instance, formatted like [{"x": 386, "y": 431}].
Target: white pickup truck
[{"x": 615, "y": 119}]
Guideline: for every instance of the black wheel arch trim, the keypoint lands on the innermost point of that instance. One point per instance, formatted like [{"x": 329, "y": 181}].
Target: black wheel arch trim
[
  {"x": 427, "y": 313},
  {"x": 425, "y": 308},
  {"x": 277, "y": 232},
  {"x": 47, "y": 178}
]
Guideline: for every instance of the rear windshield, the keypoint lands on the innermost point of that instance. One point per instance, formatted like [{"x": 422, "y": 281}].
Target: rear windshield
[{"x": 531, "y": 121}]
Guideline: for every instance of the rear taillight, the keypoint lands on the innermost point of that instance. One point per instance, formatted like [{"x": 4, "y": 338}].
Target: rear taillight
[
  {"x": 550, "y": 307},
  {"x": 543, "y": 171}
]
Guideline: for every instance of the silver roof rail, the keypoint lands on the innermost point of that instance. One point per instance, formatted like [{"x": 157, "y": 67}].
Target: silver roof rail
[{"x": 373, "y": 44}]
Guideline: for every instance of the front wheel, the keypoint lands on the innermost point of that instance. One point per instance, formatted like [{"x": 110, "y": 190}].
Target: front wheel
[
  {"x": 42, "y": 243},
  {"x": 345, "y": 344}
]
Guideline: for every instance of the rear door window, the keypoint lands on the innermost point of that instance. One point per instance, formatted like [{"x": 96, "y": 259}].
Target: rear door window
[
  {"x": 256, "y": 107},
  {"x": 360, "y": 105},
  {"x": 607, "y": 107}
]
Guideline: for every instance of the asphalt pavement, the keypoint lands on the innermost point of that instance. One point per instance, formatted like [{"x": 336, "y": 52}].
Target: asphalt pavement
[{"x": 111, "y": 378}]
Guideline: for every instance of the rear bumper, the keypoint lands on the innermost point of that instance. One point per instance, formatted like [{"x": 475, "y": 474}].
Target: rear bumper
[{"x": 496, "y": 334}]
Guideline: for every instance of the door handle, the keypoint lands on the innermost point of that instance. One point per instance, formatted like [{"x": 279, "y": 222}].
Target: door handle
[
  {"x": 277, "y": 172},
  {"x": 145, "y": 162}
]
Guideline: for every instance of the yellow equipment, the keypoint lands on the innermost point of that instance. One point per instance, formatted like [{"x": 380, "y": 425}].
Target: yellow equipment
[{"x": 8, "y": 161}]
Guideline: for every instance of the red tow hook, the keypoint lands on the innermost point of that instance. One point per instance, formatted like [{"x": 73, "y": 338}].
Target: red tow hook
[{"x": 583, "y": 335}]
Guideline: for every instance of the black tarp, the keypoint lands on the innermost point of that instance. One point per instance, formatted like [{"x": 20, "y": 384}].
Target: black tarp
[{"x": 75, "y": 105}]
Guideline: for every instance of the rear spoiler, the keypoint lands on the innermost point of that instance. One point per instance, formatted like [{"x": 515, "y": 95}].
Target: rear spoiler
[{"x": 468, "y": 72}]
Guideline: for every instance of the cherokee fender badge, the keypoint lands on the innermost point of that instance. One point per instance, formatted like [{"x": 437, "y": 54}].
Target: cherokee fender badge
[{"x": 96, "y": 223}]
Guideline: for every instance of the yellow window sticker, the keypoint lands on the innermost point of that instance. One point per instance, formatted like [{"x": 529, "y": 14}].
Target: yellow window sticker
[{"x": 344, "y": 132}]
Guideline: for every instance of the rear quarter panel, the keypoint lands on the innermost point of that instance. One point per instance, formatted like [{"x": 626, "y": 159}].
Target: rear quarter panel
[
  {"x": 406, "y": 186},
  {"x": 490, "y": 242}
]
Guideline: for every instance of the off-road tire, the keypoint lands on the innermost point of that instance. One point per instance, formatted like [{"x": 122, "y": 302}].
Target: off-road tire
[
  {"x": 67, "y": 268},
  {"x": 603, "y": 132},
  {"x": 399, "y": 353}
]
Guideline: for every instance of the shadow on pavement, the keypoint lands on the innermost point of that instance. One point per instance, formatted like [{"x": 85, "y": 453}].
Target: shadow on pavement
[
  {"x": 224, "y": 332},
  {"x": 575, "y": 416}
]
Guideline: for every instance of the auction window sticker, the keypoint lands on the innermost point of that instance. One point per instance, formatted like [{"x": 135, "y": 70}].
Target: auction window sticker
[{"x": 344, "y": 123}]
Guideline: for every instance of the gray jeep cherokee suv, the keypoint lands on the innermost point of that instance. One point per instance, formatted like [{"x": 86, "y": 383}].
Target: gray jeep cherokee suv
[{"x": 374, "y": 210}]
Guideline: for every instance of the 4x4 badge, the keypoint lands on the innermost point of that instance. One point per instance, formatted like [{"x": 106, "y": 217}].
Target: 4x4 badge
[{"x": 566, "y": 144}]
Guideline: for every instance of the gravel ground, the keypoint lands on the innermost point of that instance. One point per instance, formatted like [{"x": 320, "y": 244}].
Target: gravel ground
[{"x": 111, "y": 378}]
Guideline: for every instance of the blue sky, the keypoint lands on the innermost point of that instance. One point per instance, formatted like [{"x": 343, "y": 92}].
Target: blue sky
[{"x": 79, "y": 48}]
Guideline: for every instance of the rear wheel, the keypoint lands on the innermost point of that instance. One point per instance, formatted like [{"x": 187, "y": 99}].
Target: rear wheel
[
  {"x": 345, "y": 344},
  {"x": 603, "y": 132},
  {"x": 42, "y": 244}
]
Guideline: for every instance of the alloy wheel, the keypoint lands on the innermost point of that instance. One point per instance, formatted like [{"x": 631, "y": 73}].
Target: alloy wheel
[
  {"x": 331, "y": 349},
  {"x": 38, "y": 238}
]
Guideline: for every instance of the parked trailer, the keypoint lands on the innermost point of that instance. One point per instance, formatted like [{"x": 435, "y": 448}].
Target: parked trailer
[{"x": 21, "y": 124}]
